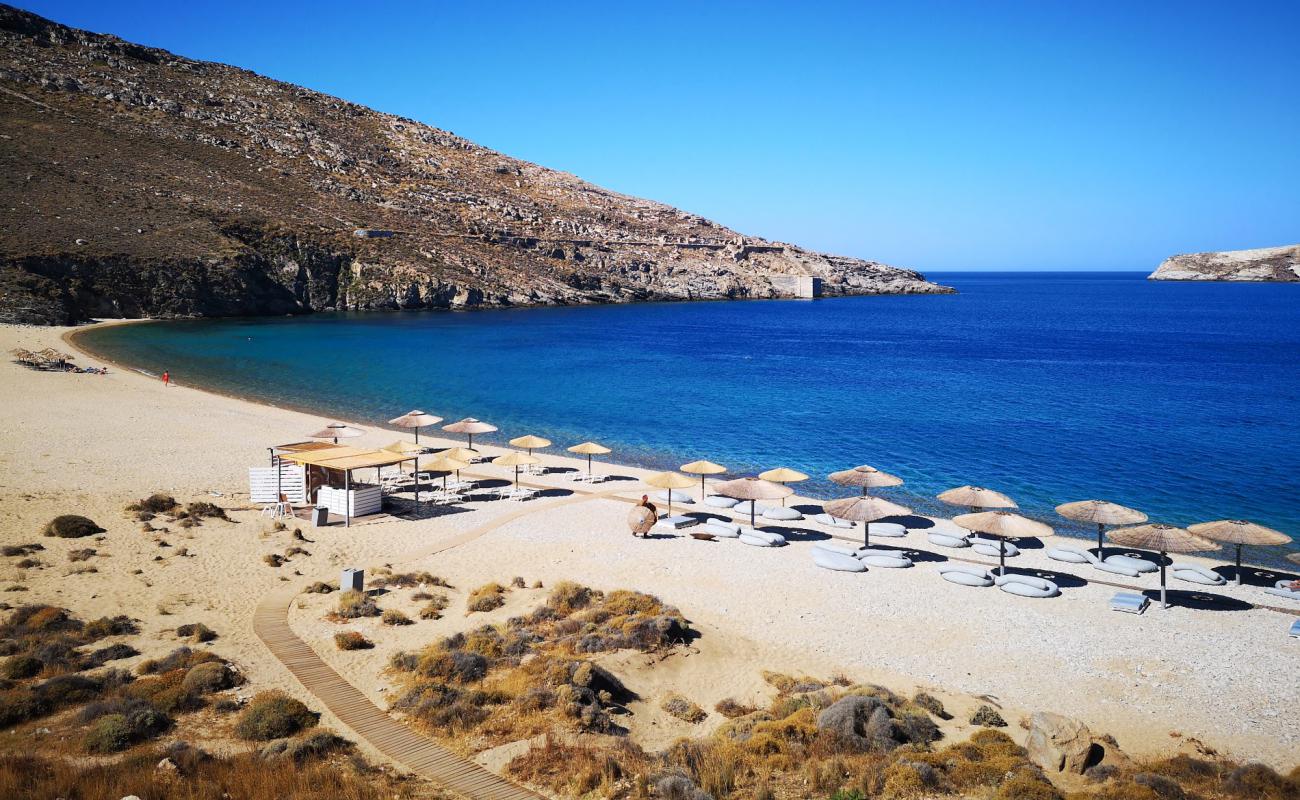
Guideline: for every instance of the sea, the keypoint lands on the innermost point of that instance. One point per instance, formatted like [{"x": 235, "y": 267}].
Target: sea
[{"x": 1180, "y": 399}]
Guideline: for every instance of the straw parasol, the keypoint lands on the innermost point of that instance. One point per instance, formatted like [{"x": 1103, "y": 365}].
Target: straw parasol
[
  {"x": 703, "y": 468},
  {"x": 753, "y": 489},
  {"x": 445, "y": 464},
  {"x": 530, "y": 442},
  {"x": 403, "y": 447},
  {"x": 669, "y": 481},
  {"x": 865, "y": 477},
  {"x": 516, "y": 460},
  {"x": 977, "y": 498},
  {"x": 336, "y": 431},
  {"x": 589, "y": 449},
  {"x": 783, "y": 475},
  {"x": 1001, "y": 524},
  {"x": 1102, "y": 513},
  {"x": 865, "y": 509},
  {"x": 1164, "y": 539},
  {"x": 469, "y": 426},
  {"x": 415, "y": 420},
  {"x": 460, "y": 454},
  {"x": 1240, "y": 533}
]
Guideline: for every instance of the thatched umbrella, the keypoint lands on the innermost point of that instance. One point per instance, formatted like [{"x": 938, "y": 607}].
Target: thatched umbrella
[
  {"x": 589, "y": 449},
  {"x": 458, "y": 454},
  {"x": 1240, "y": 533},
  {"x": 977, "y": 498},
  {"x": 415, "y": 420},
  {"x": 1163, "y": 539},
  {"x": 1001, "y": 524},
  {"x": 445, "y": 465},
  {"x": 469, "y": 426},
  {"x": 515, "y": 459},
  {"x": 530, "y": 442},
  {"x": 405, "y": 448},
  {"x": 753, "y": 489},
  {"x": 865, "y": 509},
  {"x": 336, "y": 431},
  {"x": 703, "y": 468},
  {"x": 865, "y": 477},
  {"x": 1294, "y": 558},
  {"x": 783, "y": 475},
  {"x": 669, "y": 481},
  {"x": 1102, "y": 513}
]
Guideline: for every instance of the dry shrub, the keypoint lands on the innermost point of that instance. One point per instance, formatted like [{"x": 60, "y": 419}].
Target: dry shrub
[
  {"x": 572, "y": 770},
  {"x": 71, "y": 526},
  {"x": 202, "y": 509},
  {"x": 158, "y": 503},
  {"x": 112, "y": 733},
  {"x": 434, "y": 608},
  {"x": 683, "y": 709},
  {"x": 273, "y": 715},
  {"x": 274, "y": 560},
  {"x": 488, "y": 597},
  {"x": 196, "y": 632},
  {"x": 1261, "y": 782},
  {"x": 386, "y": 579},
  {"x": 988, "y": 717},
  {"x": 320, "y": 587},
  {"x": 394, "y": 617},
  {"x": 931, "y": 704},
  {"x": 354, "y": 605},
  {"x": 180, "y": 658},
  {"x": 567, "y": 597},
  {"x": 84, "y": 554},
  {"x": 21, "y": 549},
  {"x": 352, "y": 640},
  {"x": 31, "y": 563},
  {"x": 209, "y": 677},
  {"x": 1026, "y": 784},
  {"x": 731, "y": 708},
  {"x": 296, "y": 551},
  {"x": 518, "y": 582}
]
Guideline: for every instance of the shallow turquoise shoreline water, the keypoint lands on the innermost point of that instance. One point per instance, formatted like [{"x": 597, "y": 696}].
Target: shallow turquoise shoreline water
[{"x": 1181, "y": 399}]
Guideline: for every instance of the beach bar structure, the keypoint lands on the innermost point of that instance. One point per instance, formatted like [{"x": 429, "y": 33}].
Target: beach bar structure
[{"x": 328, "y": 468}]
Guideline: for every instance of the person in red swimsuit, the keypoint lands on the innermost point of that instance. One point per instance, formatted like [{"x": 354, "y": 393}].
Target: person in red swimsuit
[{"x": 166, "y": 378}]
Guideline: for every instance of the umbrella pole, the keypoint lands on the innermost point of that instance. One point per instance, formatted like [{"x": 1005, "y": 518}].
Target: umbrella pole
[
  {"x": 469, "y": 439},
  {"x": 670, "y": 502},
  {"x": 1238, "y": 564},
  {"x": 866, "y": 534},
  {"x": 1164, "y": 602},
  {"x": 1101, "y": 555},
  {"x": 417, "y": 477},
  {"x": 702, "y": 495},
  {"x": 1002, "y": 556}
]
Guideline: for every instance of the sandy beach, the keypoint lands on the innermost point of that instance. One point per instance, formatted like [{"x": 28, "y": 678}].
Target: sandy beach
[{"x": 90, "y": 444}]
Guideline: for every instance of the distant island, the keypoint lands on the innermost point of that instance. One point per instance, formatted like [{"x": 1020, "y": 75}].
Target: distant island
[
  {"x": 1280, "y": 264},
  {"x": 137, "y": 183}
]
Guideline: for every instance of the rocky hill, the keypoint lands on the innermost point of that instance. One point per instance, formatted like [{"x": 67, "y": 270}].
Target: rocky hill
[
  {"x": 139, "y": 183},
  {"x": 1261, "y": 264}
]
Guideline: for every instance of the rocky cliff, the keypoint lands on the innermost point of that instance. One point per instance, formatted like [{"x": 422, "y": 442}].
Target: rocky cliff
[
  {"x": 139, "y": 183},
  {"x": 1261, "y": 264}
]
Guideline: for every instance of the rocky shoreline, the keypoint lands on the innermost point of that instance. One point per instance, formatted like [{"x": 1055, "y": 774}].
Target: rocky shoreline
[
  {"x": 1276, "y": 264},
  {"x": 139, "y": 183}
]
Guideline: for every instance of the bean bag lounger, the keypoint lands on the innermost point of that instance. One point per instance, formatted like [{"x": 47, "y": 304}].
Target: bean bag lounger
[
  {"x": 987, "y": 548},
  {"x": 890, "y": 530},
  {"x": 677, "y": 495},
  {"x": 758, "y": 538},
  {"x": 1195, "y": 573},
  {"x": 832, "y": 522},
  {"x": 782, "y": 513},
  {"x": 945, "y": 540},
  {"x": 1068, "y": 554},
  {"x": 721, "y": 528},
  {"x": 1026, "y": 586},
  {"x": 1136, "y": 564},
  {"x": 889, "y": 559},
  {"x": 837, "y": 561},
  {"x": 840, "y": 549},
  {"x": 1279, "y": 590},
  {"x": 744, "y": 506},
  {"x": 718, "y": 501},
  {"x": 966, "y": 576}
]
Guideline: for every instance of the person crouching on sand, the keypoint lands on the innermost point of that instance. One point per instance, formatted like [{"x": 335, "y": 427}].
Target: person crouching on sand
[{"x": 653, "y": 516}]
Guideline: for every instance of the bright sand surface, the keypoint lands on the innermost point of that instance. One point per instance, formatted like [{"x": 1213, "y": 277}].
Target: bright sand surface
[{"x": 88, "y": 444}]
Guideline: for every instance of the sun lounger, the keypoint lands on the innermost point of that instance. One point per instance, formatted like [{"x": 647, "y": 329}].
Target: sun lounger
[
  {"x": 1295, "y": 629},
  {"x": 988, "y": 548},
  {"x": 888, "y": 559},
  {"x": 1133, "y": 563},
  {"x": 757, "y": 538},
  {"x": 1129, "y": 602},
  {"x": 782, "y": 513},
  {"x": 966, "y": 576},
  {"x": 718, "y": 501},
  {"x": 1194, "y": 573},
  {"x": 832, "y": 522},
  {"x": 1279, "y": 590},
  {"x": 1076, "y": 556},
  {"x": 744, "y": 506},
  {"x": 675, "y": 495},
  {"x": 827, "y": 559},
  {"x": 890, "y": 530},
  {"x": 841, "y": 549},
  {"x": 946, "y": 540},
  {"x": 1067, "y": 554},
  {"x": 677, "y": 522},
  {"x": 521, "y": 494},
  {"x": 1026, "y": 586},
  {"x": 721, "y": 528}
]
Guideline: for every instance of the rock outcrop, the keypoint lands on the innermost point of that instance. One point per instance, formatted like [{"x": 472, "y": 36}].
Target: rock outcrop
[
  {"x": 135, "y": 182},
  {"x": 1061, "y": 744},
  {"x": 1261, "y": 264}
]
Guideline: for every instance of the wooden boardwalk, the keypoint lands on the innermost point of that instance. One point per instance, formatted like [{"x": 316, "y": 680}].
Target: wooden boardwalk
[{"x": 399, "y": 743}]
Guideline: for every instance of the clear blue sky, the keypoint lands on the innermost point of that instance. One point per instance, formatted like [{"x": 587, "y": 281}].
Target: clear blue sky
[{"x": 1049, "y": 134}]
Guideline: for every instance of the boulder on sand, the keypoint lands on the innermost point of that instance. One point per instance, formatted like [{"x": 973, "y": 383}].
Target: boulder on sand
[{"x": 1060, "y": 744}]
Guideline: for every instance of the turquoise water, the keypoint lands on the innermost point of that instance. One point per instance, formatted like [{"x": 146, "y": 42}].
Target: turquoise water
[{"x": 1180, "y": 399}]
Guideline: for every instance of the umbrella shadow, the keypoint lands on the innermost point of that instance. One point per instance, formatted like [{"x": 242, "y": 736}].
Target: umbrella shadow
[
  {"x": 912, "y": 522},
  {"x": 1200, "y": 600},
  {"x": 411, "y": 511},
  {"x": 795, "y": 534},
  {"x": 609, "y": 478},
  {"x": 1025, "y": 542},
  {"x": 554, "y": 492},
  {"x": 1133, "y": 552},
  {"x": 808, "y": 509},
  {"x": 1255, "y": 576},
  {"x": 561, "y": 470}
]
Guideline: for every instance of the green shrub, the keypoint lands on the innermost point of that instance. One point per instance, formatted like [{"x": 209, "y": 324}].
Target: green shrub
[
  {"x": 209, "y": 677},
  {"x": 352, "y": 640},
  {"x": 71, "y": 526},
  {"x": 273, "y": 715},
  {"x": 22, "y": 666},
  {"x": 108, "y": 734}
]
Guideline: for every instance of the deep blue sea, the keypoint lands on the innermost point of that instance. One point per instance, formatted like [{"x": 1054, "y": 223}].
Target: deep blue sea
[{"x": 1182, "y": 399}]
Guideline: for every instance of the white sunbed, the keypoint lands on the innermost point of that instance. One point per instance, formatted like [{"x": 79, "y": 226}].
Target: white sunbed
[
  {"x": 1279, "y": 590},
  {"x": 889, "y": 530},
  {"x": 827, "y": 559},
  {"x": 721, "y": 528},
  {"x": 757, "y": 538},
  {"x": 888, "y": 559},
  {"x": 1026, "y": 586},
  {"x": 947, "y": 540},
  {"x": 677, "y": 496},
  {"x": 966, "y": 576},
  {"x": 520, "y": 494},
  {"x": 987, "y": 547},
  {"x": 832, "y": 522},
  {"x": 677, "y": 521},
  {"x": 1195, "y": 573},
  {"x": 1133, "y": 563},
  {"x": 782, "y": 513},
  {"x": 1075, "y": 556},
  {"x": 718, "y": 501}
]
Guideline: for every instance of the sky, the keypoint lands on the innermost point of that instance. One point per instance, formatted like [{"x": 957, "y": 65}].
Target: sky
[{"x": 936, "y": 135}]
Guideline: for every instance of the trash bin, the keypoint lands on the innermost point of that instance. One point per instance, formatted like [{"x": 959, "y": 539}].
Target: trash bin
[
  {"x": 353, "y": 579},
  {"x": 320, "y": 516}
]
